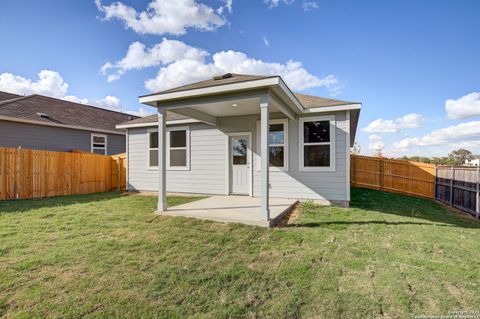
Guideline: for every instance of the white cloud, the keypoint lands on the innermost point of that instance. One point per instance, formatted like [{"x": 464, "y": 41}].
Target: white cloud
[
  {"x": 139, "y": 57},
  {"x": 466, "y": 106},
  {"x": 309, "y": 5},
  {"x": 228, "y": 6},
  {"x": 186, "y": 71},
  {"x": 48, "y": 83},
  {"x": 51, "y": 83},
  {"x": 274, "y": 3},
  {"x": 462, "y": 135},
  {"x": 143, "y": 111},
  {"x": 412, "y": 120},
  {"x": 265, "y": 41},
  {"x": 166, "y": 16}
]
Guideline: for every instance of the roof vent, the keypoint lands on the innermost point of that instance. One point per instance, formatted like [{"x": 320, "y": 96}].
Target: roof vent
[
  {"x": 221, "y": 77},
  {"x": 44, "y": 115}
]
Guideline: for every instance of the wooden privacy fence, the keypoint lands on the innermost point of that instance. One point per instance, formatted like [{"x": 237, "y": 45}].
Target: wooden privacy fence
[
  {"x": 405, "y": 177},
  {"x": 459, "y": 187},
  {"x": 26, "y": 173}
]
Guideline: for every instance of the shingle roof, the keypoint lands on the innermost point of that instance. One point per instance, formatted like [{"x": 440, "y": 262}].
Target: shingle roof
[
  {"x": 7, "y": 96},
  {"x": 228, "y": 78},
  {"x": 154, "y": 118},
  {"x": 309, "y": 101},
  {"x": 43, "y": 109}
]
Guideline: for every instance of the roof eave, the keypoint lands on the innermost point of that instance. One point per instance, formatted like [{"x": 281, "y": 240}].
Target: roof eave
[{"x": 149, "y": 124}]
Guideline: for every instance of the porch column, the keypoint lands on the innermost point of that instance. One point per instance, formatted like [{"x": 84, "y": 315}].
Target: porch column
[
  {"x": 162, "y": 176},
  {"x": 264, "y": 159}
]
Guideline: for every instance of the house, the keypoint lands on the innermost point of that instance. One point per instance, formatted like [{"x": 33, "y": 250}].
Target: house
[
  {"x": 475, "y": 161},
  {"x": 210, "y": 137},
  {"x": 46, "y": 123}
]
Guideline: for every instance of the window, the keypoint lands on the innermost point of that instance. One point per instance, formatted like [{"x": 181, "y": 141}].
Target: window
[
  {"x": 317, "y": 140},
  {"x": 98, "y": 144},
  {"x": 278, "y": 143},
  {"x": 178, "y": 153},
  {"x": 153, "y": 148}
]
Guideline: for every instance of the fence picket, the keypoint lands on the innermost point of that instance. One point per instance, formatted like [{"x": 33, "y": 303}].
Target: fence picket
[{"x": 26, "y": 173}]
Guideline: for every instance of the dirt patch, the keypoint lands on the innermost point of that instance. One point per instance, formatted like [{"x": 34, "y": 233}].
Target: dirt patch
[{"x": 290, "y": 217}]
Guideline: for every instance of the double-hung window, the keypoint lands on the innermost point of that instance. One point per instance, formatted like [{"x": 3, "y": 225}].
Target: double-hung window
[
  {"x": 278, "y": 144},
  {"x": 178, "y": 153},
  {"x": 317, "y": 143},
  {"x": 153, "y": 148},
  {"x": 98, "y": 143},
  {"x": 178, "y": 148}
]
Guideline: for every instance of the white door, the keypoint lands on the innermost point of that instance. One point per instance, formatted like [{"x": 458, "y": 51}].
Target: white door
[{"x": 239, "y": 164}]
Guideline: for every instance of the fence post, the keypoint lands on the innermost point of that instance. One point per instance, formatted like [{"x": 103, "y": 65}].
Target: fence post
[
  {"x": 435, "y": 183},
  {"x": 477, "y": 212},
  {"x": 452, "y": 177},
  {"x": 354, "y": 175},
  {"x": 119, "y": 172},
  {"x": 382, "y": 175}
]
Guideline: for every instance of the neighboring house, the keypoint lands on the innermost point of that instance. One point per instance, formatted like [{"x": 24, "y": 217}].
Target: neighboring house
[
  {"x": 215, "y": 142},
  {"x": 475, "y": 161},
  {"x": 45, "y": 123}
]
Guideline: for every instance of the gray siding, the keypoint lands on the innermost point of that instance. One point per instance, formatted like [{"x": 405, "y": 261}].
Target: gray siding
[
  {"x": 208, "y": 167},
  {"x": 50, "y": 138}
]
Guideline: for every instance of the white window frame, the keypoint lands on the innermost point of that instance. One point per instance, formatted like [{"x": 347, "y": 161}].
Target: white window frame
[
  {"x": 186, "y": 148},
  {"x": 149, "y": 131},
  {"x": 301, "y": 144},
  {"x": 92, "y": 135},
  {"x": 284, "y": 168}
]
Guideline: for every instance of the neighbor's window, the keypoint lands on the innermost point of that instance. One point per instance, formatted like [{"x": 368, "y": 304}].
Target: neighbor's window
[
  {"x": 278, "y": 143},
  {"x": 178, "y": 148},
  {"x": 98, "y": 144},
  {"x": 153, "y": 149},
  {"x": 316, "y": 143}
]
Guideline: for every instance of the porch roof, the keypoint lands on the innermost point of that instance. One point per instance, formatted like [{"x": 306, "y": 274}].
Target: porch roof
[{"x": 238, "y": 94}]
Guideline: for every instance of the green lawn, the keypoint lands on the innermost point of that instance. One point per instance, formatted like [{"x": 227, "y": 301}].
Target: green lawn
[{"x": 106, "y": 255}]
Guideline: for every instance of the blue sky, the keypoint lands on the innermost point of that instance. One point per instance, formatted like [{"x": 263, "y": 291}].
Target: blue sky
[{"x": 414, "y": 65}]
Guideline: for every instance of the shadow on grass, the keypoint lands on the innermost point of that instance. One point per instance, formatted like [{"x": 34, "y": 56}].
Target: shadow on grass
[
  {"x": 409, "y": 207},
  {"x": 22, "y": 205}
]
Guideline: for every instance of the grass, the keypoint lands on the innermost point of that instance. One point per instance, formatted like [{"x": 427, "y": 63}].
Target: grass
[{"x": 105, "y": 255}]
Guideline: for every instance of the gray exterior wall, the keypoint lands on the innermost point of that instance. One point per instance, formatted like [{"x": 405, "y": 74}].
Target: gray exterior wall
[
  {"x": 50, "y": 138},
  {"x": 209, "y": 169}
]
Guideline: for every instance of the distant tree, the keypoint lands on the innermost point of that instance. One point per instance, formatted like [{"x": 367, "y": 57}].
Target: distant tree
[
  {"x": 379, "y": 151},
  {"x": 458, "y": 157},
  {"x": 356, "y": 149}
]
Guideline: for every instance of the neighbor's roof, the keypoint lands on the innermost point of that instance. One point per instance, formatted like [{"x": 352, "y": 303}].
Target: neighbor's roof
[
  {"x": 8, "y": 96},
  {"x": 39, "y": 109}
]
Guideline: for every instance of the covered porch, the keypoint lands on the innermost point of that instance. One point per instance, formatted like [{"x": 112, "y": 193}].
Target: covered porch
[{"x": 211, "y": 104}]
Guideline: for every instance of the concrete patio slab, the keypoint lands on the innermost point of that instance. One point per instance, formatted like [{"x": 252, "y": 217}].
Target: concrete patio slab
[{"x": 233, "y": 209}]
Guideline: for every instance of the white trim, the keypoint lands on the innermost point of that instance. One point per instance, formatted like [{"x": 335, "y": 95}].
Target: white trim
[
  {"x": 249, "y": 161},
  {"x": 333, "y": 126},
  {"x": 345, "y": 107},
  {"x": 14, "y": 119},
  {"x": 105, "y": 148},
  {"x": 286, "y": 141},
  {"x": 227, "y": 167},
  {"x": 173, "y": 122},
  {"x": 347, "y": 154},
  {"x": 127, "y": 154},
  {"x": 253, "y": 84},
  {"x": 187, "y": 148}
]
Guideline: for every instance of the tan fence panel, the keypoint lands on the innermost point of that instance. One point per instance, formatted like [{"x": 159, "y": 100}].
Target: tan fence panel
[
  {"x": 26, "y": 173},
  {"x": 398, "y": 176},
  {"x": 119, "y": 171}
]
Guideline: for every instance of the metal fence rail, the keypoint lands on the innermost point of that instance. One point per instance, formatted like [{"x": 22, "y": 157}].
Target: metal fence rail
[{"x": 459, "y": 187}]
